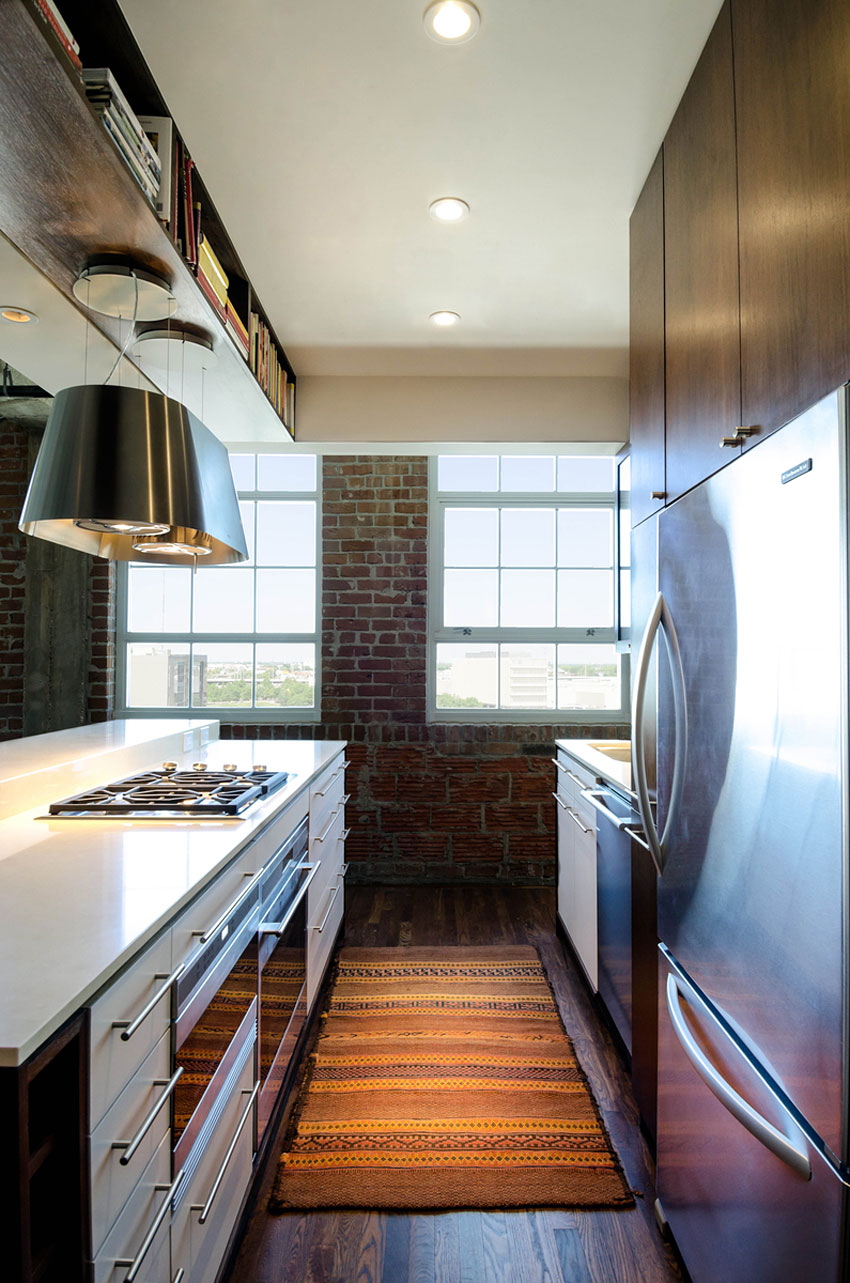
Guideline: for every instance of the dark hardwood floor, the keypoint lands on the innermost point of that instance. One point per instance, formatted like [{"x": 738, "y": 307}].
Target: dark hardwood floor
[{"x": 475, "y": 1247}]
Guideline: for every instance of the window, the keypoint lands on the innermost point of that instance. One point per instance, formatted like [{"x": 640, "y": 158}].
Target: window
[
  {"x": 523, "y": 589},
  {"x": 238, "y": 640}
]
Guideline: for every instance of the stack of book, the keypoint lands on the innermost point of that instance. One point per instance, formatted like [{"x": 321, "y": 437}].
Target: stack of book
[
  {"x": 59, "y": 27},
  {"x": 236, "y": 330},
  {"x": 123, "y": 127},
  {"x": 266, "y": 365}
]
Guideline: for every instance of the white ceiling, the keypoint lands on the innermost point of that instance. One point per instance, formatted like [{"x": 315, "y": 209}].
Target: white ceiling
[{"x": 323, "y": 129}]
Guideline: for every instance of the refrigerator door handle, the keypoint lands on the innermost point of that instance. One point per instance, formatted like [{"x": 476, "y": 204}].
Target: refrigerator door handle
[
  {"x": 660, "y": 619},
  {"x": 748, "y": 1117}
]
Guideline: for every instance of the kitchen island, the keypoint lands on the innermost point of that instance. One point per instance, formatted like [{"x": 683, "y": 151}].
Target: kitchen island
[{"x": 100, "y": 918}]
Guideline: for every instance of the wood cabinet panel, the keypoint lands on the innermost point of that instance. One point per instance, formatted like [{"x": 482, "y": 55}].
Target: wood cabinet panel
[
  {"x": 702, "y": 304},
  {"x": 793, "y": 124},
  {"x": 646, "y": 345}
]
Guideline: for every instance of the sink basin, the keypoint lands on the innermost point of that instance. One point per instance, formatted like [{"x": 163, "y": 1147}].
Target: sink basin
[{"x": 617, "y": 750}]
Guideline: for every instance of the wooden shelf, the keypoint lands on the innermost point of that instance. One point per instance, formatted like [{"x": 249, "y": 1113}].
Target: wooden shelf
[{"x": 69, "y": 198}]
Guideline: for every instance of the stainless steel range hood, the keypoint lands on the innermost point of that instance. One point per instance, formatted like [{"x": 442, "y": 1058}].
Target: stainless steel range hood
[{"x": 129, "y": 474}]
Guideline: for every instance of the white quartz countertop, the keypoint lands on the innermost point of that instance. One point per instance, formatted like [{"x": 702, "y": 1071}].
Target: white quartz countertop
[
  {"x": 78, "y": 898},
  {"x": 617, "y": 773}
]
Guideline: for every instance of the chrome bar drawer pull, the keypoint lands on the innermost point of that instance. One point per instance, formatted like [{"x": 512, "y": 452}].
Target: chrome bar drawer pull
[
  {"x": 577, "y": 821},
  {"x": 560, "y": 765},
  {"x": 179, "y": 1276},
  {"x": 222, "y": 918},
  {"x": 324, "y": 921},
  {"x": 206, "y": 1208},
  {"x": 344, "y": 834},
  {"x": 320, "y": 837},
  {"x": 336, "y": 774},
  {"x": 593, "y": 797},
  {"x": 130, "y": 1146},
  {"x": 575, "y": 779},
  {"x": 278, "y": 928},
  {"x": 343, "y": 871},
  {"x": 136, "y": 1263},
  {"x": 129, "y": 1027},
  {"x": 561, "y": 803}
]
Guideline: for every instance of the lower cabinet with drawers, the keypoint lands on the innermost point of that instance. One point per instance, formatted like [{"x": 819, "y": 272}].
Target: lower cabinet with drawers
[
  {"x": 151, "y": 1170},
  {"x": 577, "y": 863}
]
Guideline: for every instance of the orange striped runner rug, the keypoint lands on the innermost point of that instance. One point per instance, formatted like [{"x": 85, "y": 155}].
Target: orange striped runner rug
[{"x": 444, "y": 1078}]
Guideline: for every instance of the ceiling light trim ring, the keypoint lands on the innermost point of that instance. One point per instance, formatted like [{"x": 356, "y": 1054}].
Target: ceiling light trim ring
[{"x": 450, "y": 14}]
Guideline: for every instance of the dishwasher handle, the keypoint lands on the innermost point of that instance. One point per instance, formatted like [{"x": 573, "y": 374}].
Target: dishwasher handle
[{"x": 594, "y": 796}]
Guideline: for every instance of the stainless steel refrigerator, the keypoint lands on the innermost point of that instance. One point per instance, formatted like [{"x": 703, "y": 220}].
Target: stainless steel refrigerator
[{"x": 749, "y": 635}]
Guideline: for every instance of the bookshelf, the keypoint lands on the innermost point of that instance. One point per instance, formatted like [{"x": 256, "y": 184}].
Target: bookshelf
[{"x": 69, "y": 199}]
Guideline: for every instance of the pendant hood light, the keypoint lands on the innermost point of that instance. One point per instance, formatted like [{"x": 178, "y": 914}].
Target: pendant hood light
[{"x": 133, "y": 475}]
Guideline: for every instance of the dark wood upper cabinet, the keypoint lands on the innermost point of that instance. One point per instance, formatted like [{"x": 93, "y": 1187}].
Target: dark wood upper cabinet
[
  {"x": 792, "y": 87},
  {"x": 646, "y": 345},
  {"x": 702, "y": 304}
]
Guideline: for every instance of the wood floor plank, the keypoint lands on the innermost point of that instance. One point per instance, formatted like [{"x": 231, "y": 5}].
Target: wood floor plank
[{"x": 476, "y": 1247}]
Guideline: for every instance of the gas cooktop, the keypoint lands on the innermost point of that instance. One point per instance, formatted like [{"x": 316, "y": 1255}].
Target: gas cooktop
[{"x": 168, "y": 794}]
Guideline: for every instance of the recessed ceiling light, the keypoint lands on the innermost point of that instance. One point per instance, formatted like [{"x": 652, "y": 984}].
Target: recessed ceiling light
[
  {"x": 18, "y": 316},
  {"x": 445, "y": 318},
  {"x": 448, "y": 209},
  {"x": 452, "y": 21}
]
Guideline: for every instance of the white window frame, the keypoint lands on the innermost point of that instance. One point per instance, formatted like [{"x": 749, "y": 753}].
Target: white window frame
[
  {"x": 258, "y": 716},
  {"x": 438, "y": 501}
]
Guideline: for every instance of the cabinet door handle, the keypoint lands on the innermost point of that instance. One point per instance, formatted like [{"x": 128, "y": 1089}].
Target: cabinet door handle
[
  {"x": 222, "y": 918},
  {"x": 136, "y": 1263},
  {"x": 278, "y": 928},
  {"x": 130, "y": 1146},
  {"x": 320, "y": 837},
  {"x": 658, "y": 494},
  {"x": 206, "y": 1208},
  {"x": 324, "y": 921},
  {"x": 577, "y": 821},
  {"x": 560, "y": 802},
  {"x": 129, "y": 1027}
]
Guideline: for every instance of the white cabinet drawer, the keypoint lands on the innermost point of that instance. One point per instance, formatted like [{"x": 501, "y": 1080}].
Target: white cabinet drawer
[
  {"x": 129, "y": 1234},
  {"x": 326, "y": 794},
  {"x": 195, "y": 1247},
  {"x": 328, "y": 854},
  {"x": 114, "y": 1059},
  {"x": 112, "y": 1181},
  {"x": 322, "y": 927},
  {"x": 212, "y": 903}
]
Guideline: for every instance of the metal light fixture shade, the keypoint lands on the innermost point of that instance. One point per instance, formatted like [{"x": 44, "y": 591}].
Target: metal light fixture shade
[{"x": 113, "y": 454}]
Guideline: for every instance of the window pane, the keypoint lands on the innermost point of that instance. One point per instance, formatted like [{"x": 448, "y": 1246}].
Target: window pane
[
  {"x": 247, "y": 511},
  {"x": 224, "y": 600},
  {"x": 527, "y": 676},
  {"x": 528, "y": 599},
  {"x": 528, "y": 536},
  {"x": 222, "y": 675},
  {"x": 286, "y": 471},
  {"x": 286, "y": 534},
  {"x": 467, "y": 676},
  {"x": 157, "y": 675},
  {"x": 471, "y": 537},
  {"x": 158, "y": 599},
  {"x": 467, "y": 472},
  {"x": 286, "y": 601},
  {"x": 585, "y": 473},
  {"x": 588, "y": 677},
  {"x": 585, "y": 537},
  {"x": 286, "y": 676},
  {"x": 528, "y": 472},
  {"x": 470, "y": 598},
  {"x": 585, "y": 599},
  {"x": 242, "y": 468}
]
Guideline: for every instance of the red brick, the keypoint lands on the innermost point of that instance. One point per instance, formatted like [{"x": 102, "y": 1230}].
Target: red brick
[{"x": 476, "y": 846}]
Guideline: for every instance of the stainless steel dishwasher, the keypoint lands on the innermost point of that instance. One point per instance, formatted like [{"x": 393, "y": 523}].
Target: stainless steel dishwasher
[{"x": 614, "y": 830}]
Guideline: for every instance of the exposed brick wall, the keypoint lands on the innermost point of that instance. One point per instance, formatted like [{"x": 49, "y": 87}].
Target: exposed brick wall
[
  {"x": 102, "y": 658},
  {"x": 428, "y": 801},
  {"x": 14, "y": 476}
]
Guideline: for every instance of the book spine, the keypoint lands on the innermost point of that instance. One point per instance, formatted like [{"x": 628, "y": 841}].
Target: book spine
[
  {"x": 121, "y": 124},
  {"x": 237, "y": 337},
  {"x": 48, "y": 4},
  {"x": 211, "y": 295},
  {"x": 69, "y": 45}
]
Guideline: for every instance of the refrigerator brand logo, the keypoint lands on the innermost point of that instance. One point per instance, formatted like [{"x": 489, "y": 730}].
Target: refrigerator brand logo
[{"x": 797, "y": 471}]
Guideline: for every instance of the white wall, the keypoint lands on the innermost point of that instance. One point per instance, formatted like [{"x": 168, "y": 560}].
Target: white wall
[{"x": 411, "y": 408}]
